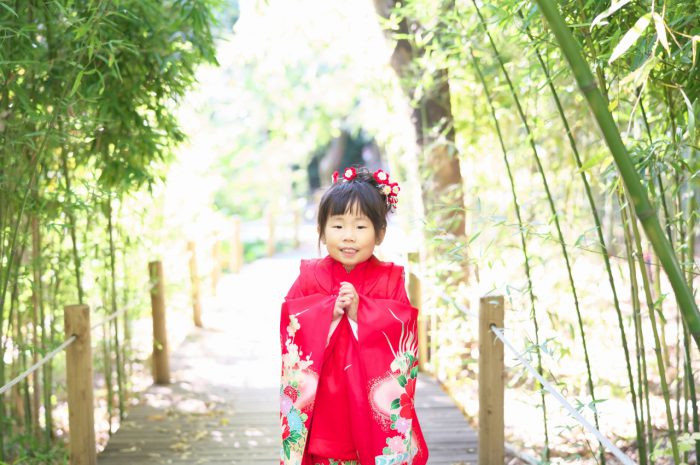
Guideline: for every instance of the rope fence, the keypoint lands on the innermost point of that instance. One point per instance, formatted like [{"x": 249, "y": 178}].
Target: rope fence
[
  {"x": 491, "y": 369},
  {"x": 61, "y": 347},
  {"x": 624, "y": 458}
]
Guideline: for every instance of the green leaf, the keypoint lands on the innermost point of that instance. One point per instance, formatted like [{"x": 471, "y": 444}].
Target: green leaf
[
  {"x": 2, "y": 4},
  {"x": 402, "y": 380},
  {"x": 414, "y": 372},
  {"x": 396, "y": 403},
  {"x": 613, "y": 8},
  {"x": 76, "y": 84},
  {"x": 691, "y": 117},
  {"x": 630, "y": 37},
  {"x": 660, "y": 27}
]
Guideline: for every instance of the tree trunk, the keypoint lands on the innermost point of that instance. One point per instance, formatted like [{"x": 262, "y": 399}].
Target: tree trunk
[{"x": 442, "y": 188}]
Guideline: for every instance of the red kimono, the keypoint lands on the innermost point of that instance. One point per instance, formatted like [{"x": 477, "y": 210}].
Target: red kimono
[{"x": 349, "y": 398}]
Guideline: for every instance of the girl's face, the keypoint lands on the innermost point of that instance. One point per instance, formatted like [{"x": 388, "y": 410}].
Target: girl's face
[{"x": 350, "y": 238}]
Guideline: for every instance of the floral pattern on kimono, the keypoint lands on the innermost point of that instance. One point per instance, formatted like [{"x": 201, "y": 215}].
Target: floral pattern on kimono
[{"x": 381, "y": 371}]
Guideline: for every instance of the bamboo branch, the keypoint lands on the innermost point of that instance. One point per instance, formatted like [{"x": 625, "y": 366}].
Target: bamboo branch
[{"x": 638, "y": 195}]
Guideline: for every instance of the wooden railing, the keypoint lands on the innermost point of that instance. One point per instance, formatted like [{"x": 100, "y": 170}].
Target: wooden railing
[{"x": 491, "y": 375}]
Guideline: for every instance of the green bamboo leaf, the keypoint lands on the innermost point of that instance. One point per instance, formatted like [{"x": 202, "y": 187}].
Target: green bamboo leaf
[
  {"x": 630, "y": 37},
  {"x": 691, "y": 117},
  {"x": 597, "y": 159},
  {"x": 609, "y": 12},
  {"x": 13, "y": 12},
  {"x": 660, "y": 27},
  {"x": 76, "y": 84},
  {"x": 640, "y": 75}
]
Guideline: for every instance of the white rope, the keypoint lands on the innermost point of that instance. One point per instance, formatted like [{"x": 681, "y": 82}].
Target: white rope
[
  {"x": 58, "y": 349},
  {"x": 625, "y": 459},
  {"x": 38, "y": 364},
  {"x": 115, "y": 314}
]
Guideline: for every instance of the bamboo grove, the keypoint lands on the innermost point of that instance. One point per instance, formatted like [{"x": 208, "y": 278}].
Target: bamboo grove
[
  {"x": 558, "y": 165},
  {"x": 86, "y": 121},
  {"x": 578, "y": 120}
]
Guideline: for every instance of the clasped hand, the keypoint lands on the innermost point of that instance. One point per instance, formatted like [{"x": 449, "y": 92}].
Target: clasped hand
[{"x": 346, "y": 302}]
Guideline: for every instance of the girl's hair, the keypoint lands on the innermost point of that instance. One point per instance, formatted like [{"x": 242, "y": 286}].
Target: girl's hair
[{"x": 361, "y": 193}]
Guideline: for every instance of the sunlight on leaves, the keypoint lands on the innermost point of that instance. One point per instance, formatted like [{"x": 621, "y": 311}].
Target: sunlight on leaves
[{"x": 630, "y": 37}]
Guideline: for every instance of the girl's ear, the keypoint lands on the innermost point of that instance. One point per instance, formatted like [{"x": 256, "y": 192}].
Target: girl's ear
[{"x": 380, "y": 236}]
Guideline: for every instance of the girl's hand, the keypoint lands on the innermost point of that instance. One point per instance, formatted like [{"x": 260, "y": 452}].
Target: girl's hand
[
  {"x": 338, "y": 309},
  {"x": 348, "y": 299}
]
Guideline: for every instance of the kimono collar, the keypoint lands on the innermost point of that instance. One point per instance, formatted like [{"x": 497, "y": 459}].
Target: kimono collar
[{"x": 356, "y": 276}]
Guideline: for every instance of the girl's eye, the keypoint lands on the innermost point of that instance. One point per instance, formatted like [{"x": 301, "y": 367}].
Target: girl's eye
[
  {"x": 362, "y": 227},
  {"x": 336, "y": 226}
]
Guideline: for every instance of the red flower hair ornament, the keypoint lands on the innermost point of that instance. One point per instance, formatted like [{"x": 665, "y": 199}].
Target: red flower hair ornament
[{"x": 390, "y": 190}]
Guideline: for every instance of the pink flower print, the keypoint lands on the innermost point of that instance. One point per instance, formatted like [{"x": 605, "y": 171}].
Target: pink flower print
[
  {"x": 402, "y": 425},
  {"x": 396, "y": 445},
  {"x": 285, "y": 404}
]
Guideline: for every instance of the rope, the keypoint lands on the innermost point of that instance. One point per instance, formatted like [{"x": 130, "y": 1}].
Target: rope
[
  {"x": 625, "y": 459},
  {"x": 115, "y": 314},
  {"x": 38, "y": 364},
  {"x": 58, "y": 349}
]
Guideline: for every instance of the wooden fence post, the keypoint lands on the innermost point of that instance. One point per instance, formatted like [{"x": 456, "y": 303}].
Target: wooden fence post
[
  {"x": 236, "y": 247},
  {"x": 416, "y": 298},
  {"x": 194, "y": 284},
  {"x": 491, "y": 382},
  {"x": 161, "y": 364},
  {"x": 81, "y": 414}
]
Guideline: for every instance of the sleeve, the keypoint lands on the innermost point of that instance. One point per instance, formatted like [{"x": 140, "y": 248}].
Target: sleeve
[
  {"x": 295, "y": 291},
  {"x": 397, "y": 290}
]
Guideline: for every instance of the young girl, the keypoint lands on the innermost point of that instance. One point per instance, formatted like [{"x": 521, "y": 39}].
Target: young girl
[{"x": 349, "y": 345}]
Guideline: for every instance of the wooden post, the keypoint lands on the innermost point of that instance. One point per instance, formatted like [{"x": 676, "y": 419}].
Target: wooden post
[
  {"x": 491, "y": 382},
  {"x": 215, "y": 265},
  {"x": 271, "y": 246},
  {"x": 194, "y": 285},
  {"x": 236, "y": 247},
  {"x": 414, "y": 295},
  {"x": 81, "y": 415},
  {"x": 161, "y": 364}
]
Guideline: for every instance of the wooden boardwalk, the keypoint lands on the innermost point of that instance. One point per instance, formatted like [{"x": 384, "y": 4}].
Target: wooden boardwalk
[{"x": 222, "y": 406}]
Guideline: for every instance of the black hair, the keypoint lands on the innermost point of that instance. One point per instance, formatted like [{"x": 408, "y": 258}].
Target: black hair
[{"x": 361, "y": 193}]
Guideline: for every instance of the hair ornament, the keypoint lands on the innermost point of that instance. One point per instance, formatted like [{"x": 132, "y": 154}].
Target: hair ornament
[
  {"x": 390, "y": 190},
  {"x": 349, "y": 174}
]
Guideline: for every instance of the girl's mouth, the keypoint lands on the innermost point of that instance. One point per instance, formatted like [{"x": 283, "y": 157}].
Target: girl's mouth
[{"x": 349, "y": 252}]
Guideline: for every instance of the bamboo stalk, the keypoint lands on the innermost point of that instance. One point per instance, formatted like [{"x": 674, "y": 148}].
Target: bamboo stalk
[
  {"x": 72, "y": 227},
  {"x": 638, "y": 195},
  {"x": 36, "y": 312},
  {"x": 599, "y": 231},
  {"x": 639, "y": 335},
  {"x": 113, "y": 302},
  {"x": 555, "y": 217},
  {"x": 658, "y": 348},
  {"x": 523, "y": 245}
]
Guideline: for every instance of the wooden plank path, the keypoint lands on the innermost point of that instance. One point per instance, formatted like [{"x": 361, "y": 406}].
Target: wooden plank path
[{"x": 222, "y": 406}]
